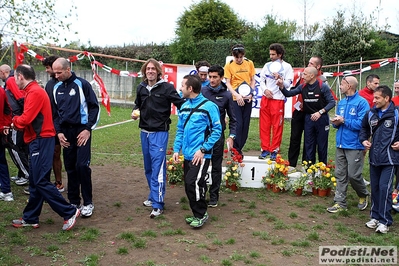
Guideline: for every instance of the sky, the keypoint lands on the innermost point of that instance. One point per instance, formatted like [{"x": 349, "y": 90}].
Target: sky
[{"x": 123, "y": 22}]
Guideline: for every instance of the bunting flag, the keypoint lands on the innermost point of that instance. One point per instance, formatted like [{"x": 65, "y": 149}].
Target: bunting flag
[
  {"x": 20, "y": 50},
  {"x": 358, "y": 71},
  {"x": 105, "y": 100}
]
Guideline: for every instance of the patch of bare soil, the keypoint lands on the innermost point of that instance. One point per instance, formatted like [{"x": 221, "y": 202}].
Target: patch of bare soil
[{"x": 252, "y": 226}]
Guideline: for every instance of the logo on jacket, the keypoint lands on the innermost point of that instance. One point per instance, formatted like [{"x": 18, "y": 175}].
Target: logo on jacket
[
  {"x": 352, "y": 111},
  {"x": 72, "y": 92},
  {"x": 388, "y": 123}
]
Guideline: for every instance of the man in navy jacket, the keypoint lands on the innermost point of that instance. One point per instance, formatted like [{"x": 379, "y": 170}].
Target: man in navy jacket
[
  {"x": 77, "y": 113},
  {"x": 380, "y": 136}
]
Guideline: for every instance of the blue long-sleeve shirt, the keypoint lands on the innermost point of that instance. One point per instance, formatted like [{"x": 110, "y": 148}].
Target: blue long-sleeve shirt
[
  {"x": 352, "y": 109},
  {"x": 202, "y": 129}
]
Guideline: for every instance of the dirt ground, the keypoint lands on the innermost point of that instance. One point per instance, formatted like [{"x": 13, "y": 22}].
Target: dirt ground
[{"x": 246, "y": 223}]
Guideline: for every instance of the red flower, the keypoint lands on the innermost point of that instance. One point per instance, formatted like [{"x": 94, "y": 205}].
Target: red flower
[{"x": 225, "y": 151}]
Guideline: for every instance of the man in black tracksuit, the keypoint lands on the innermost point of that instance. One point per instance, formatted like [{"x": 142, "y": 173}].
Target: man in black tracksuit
[
  {"x": 77, "y": 115},
  {"x": 217, "y": 92},
  {"x": 381, "y": 124}
]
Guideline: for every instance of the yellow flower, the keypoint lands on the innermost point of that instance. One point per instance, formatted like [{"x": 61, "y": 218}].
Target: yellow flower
[
  {"x": 171, "y": 159},
  {"x": 335, "y": 184},
  {"x": 269, "y": 161},
  {"x": 225, "y": 178},
  {"x": 328, "y": 169},
  {"x": 170, "y": 167},
  {"x": 234, "y": 168},
  {"x": 235, "y": 174},
  {"x": 277, "y": 165},
  {"x": 310, "y": 171},
  {"x": 228, "y": 174},
  {"x": 305, "y": 162},
  {"x": 333, "y": 179},
  {"x": 181, "y": 158},
  {"x": 328, "y": 175}
]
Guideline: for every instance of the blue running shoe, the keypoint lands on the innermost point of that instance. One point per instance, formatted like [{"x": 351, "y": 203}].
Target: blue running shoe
[
  {"x": 264, "y": 154},
  {"x": 273, "y": 156}
]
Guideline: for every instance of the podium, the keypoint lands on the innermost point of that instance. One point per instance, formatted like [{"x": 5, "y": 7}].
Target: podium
[{"x": 253, "y": 171}]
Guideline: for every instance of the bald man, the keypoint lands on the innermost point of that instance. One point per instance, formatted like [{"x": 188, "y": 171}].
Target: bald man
[
  {"x": 349, "y": 156},
  {"x": 77, "y": 113},
  {"x": 317, "y": 101}
]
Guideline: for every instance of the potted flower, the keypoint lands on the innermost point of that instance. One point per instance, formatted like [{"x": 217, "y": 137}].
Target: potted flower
[
  {"x": 175, "y": 171},
  {"x": 232, "y": 175},
  {"x": 267, "y": 181},
  {"x": 320, "y": 176},
  {"x": 299, "y": 184},
  {"x": 277, "y": 174}
]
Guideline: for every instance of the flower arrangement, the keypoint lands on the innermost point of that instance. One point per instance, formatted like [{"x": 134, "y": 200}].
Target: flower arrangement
[
  {"x": 175, "y": 171},
  {"x": 232, "y": 174},
  {"x": 320, "y": 175},
  {"x": 277, "y": 173},
  {"x": 300, "y": 183}
]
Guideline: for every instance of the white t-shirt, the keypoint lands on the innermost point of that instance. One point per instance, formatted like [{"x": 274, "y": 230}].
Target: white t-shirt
[{"x": 268, "y": 82}]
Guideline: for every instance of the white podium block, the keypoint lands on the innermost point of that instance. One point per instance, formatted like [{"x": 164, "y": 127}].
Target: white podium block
[{"x": 253, "y": 171}]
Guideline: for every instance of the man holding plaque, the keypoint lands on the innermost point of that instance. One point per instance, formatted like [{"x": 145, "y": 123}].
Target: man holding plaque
[
  {"x": 276, "y": 73},
  {"x": 240, "y": 80}
]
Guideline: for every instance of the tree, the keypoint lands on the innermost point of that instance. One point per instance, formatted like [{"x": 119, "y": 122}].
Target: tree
[
  {"x": 184, "y": 49},
  {"x": 31, "y": 20},
  {"x": 258, "y": 38},
  {"x": 211, "y": 19},
  {"x": 349, "y": 39}
]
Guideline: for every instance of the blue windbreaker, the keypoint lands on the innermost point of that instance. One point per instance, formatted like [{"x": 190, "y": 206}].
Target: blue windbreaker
[
  {"x": 352, "y": 109},
  {"x": 203, "y": 128}
]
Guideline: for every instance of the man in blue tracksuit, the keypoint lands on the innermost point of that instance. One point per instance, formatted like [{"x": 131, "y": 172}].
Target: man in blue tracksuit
[
  {"x": 217, "y": 92},
  {"x": 152, "y": 105},
  {"x": 349, "y": 155},
  {"x": 77, "y": 113},
  {"x": 380, "y": 124},
  {"x": 198, "y": 130},
  {"x": 317, "y": 101}
]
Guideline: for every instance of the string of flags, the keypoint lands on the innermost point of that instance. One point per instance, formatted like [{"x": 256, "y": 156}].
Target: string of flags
[
  {"x": 21, "y": 49},
  {"x": 358, "y": 71}
]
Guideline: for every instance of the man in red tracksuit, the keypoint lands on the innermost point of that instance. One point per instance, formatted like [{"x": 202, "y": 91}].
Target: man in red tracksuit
[
  {"x": 5, "y": 121},
  {"x": 37, "y": 123}
]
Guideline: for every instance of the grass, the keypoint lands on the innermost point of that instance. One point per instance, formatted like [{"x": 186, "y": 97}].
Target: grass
[{"x": 284, "y": 230}]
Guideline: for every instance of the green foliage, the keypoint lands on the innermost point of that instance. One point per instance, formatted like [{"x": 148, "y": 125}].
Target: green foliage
[
  {"x": 348, "y": 39},
  {"x": 184, "y": 48},
  {"x": 258, "y": 38},
  {"x": 36, "y": 20},
  {"x": 211, "y": 19}
]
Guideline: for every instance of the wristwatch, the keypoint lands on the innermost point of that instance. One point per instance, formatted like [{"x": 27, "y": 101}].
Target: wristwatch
[
  {"x": 203, "y": 150},
  {"x": 321, "y": 111}
]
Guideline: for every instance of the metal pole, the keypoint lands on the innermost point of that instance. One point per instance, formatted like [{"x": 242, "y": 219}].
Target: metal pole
[
  {"x": 337, "y": 90},
  {"x": 396, "y": 67},
  {"x": 361, "y": 67}
]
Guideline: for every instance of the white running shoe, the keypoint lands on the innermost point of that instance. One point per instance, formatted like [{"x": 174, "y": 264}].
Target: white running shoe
[
  {"x": 21, "y": 181},
  {"x": 87, "y": 210},
  {"x": 6, "y": 196},
  {"x": 382, "y": 228},
  {"x": 147, "y": 203},
  {"x": 372, "y": 224},
  {"x": 156, "y": 213}
]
